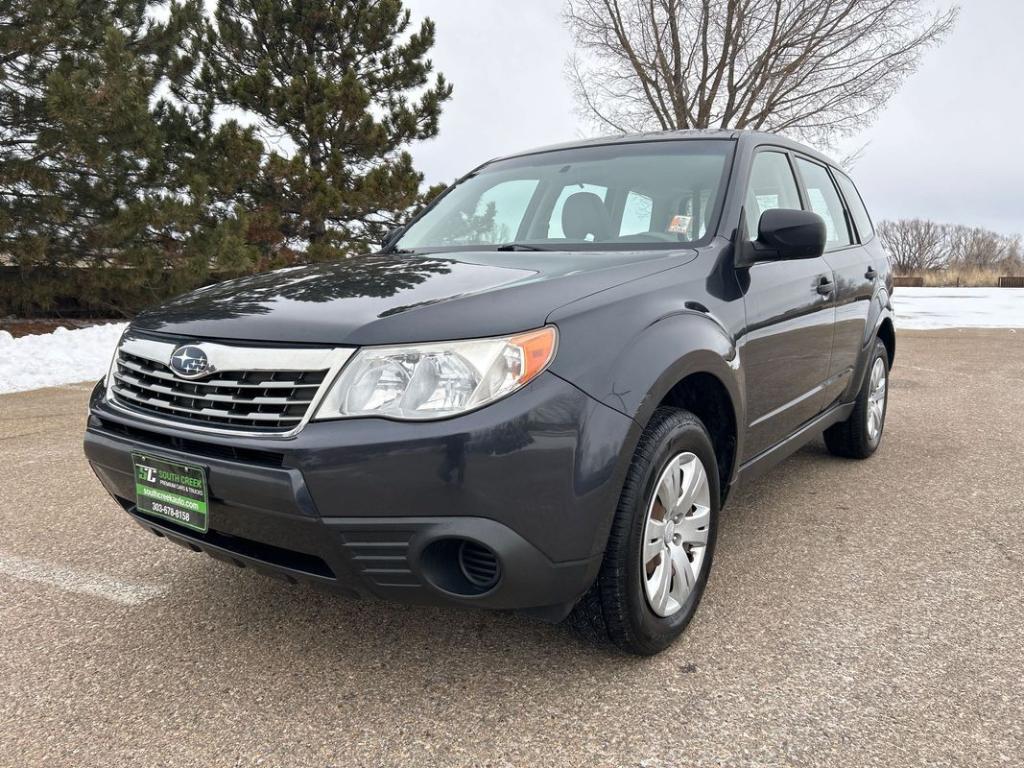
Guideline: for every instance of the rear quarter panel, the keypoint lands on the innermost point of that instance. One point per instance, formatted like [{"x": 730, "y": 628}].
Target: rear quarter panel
[{"x": 881, "y": 311}]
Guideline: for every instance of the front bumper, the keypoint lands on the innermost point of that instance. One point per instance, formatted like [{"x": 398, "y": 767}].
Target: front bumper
[{"x": 369, "y": 506}]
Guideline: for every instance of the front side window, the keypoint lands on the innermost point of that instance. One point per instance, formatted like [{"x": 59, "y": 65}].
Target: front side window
[
  {"x": 772, "y": 185},
  {"x": 825, "y": 201},
  {"x": 639, "y": 195}
]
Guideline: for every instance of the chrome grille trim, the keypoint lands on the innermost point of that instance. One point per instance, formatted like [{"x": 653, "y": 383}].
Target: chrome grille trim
[
  {"x": 249, "y": 391},
  {"x": 141, "y": 384},
  {"x": 215, "y": 382},
  {"x": 211, "y": 412}
]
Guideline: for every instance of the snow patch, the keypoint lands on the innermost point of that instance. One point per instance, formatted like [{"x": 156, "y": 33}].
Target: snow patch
[
  {"x": 61, "y": 357},
  {"x": 931, "y": 308}
]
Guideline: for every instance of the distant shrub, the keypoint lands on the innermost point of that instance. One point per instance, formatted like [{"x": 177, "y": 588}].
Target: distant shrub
[{"x": 945, "y": 254}]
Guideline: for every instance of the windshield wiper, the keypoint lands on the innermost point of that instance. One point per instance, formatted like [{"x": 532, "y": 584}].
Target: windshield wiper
[{"x": 520, "y": 247}]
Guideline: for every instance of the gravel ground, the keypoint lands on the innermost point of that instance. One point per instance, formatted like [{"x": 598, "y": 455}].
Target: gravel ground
[{"x": 859, "y": 614}]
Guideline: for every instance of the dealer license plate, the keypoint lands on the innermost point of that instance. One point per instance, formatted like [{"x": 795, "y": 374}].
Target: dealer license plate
[{"x": 171, "y": 490}]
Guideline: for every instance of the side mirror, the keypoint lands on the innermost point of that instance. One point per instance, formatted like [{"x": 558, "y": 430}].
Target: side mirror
[{"x": 787, "y": 234}]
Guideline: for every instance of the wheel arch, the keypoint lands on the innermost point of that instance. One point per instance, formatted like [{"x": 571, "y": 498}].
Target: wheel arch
[
  {"x": 879, "y": 326},
  {"x": 887, "y": 333},
  {"x": 705, "y": 396}
]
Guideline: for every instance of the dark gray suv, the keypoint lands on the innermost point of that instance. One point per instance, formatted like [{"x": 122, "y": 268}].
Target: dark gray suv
[{"x": 538, "y": 396}]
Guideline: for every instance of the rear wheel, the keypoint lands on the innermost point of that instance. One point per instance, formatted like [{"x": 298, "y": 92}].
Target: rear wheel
[
  {"x": 860, "y": 435},
  {"x": 662, "y": 540}
]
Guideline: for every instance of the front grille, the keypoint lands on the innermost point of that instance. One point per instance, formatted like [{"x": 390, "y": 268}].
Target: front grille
[{"x": 272, "y": 401}]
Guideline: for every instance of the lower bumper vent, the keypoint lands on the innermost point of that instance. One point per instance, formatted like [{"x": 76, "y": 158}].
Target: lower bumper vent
[{"x": 479, "y": 564}]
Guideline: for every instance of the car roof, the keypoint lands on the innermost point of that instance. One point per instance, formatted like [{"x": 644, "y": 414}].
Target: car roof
[{"x": 742, "y": 136}]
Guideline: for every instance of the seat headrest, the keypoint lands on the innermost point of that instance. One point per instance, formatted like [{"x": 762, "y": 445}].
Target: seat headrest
[{"x": 584, "y": 214}]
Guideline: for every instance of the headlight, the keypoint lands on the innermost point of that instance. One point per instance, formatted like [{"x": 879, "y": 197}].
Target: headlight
[{"x": 433, "y": 381}]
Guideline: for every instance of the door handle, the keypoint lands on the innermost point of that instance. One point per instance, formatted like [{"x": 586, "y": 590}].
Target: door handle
[
  {"x": 825, "y": 286},
  {"x": 871, "y": 274}
]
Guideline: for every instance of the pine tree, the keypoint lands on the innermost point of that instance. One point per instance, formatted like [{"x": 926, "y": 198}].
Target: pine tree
[
  {"x": 121, "y": 181},
  {"x": 341, "y": 87},
  {"x": 109, "y": 191}
]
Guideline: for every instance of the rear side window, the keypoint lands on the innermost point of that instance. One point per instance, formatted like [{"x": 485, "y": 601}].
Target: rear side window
[
  {"x": 772, "y": 186},
  {"x": 825, "y": 201},
  {"x": 855, "y": 204}
]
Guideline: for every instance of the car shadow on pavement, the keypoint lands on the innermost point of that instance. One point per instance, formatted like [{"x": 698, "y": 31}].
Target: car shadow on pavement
[{"x": 246, "y": 611}]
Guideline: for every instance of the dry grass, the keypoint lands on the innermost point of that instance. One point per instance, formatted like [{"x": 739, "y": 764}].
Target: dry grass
[{"x": 969, "y": 277}]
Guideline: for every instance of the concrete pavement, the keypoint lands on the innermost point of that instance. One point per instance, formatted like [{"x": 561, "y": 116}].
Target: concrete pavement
[{"x": 859, "y": 614}]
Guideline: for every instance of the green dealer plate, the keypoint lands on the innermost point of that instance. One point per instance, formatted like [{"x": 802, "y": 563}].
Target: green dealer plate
[{"x": 171, "y": 490}]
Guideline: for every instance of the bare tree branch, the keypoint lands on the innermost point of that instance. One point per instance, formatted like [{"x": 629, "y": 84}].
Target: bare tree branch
[
  {"x": 820, "y": 69},
  {"x": 918, "y": 245}
]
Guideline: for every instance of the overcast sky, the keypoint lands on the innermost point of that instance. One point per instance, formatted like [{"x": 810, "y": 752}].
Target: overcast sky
[{"x": 949, "y": 145}]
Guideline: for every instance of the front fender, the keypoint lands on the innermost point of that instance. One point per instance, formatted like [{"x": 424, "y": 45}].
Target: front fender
[
  {"x": 666, "y": 353},
  {"x": 633, "y": 372}
]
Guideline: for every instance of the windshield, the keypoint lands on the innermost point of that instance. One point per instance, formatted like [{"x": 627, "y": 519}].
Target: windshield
[{"x": 651, "y": 194}]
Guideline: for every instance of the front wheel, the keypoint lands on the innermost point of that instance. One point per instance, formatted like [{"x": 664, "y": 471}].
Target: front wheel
[
  {"x": 662, "y": 540},
  {"x": 860, "y": 435}
]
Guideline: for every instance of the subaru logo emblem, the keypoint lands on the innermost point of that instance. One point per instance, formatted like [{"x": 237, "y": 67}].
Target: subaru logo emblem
[{"x": 190, "y": 362}]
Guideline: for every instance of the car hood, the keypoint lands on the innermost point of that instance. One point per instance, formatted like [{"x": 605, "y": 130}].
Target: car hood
[{"x": 389, "y": 299}]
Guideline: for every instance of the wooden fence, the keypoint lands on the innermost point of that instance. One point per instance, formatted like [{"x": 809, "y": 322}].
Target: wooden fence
[{"x": 911, "y": 281}]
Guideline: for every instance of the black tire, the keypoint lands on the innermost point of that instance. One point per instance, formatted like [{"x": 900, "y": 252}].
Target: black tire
[
  {"x": 615, "y": 609},
  {"x": 851, "y": 438}
]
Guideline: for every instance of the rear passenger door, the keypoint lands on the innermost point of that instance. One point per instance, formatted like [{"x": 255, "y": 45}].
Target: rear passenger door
[
  {"x": 790, "y": 318},
  {"x": 854, "y": 279}
]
